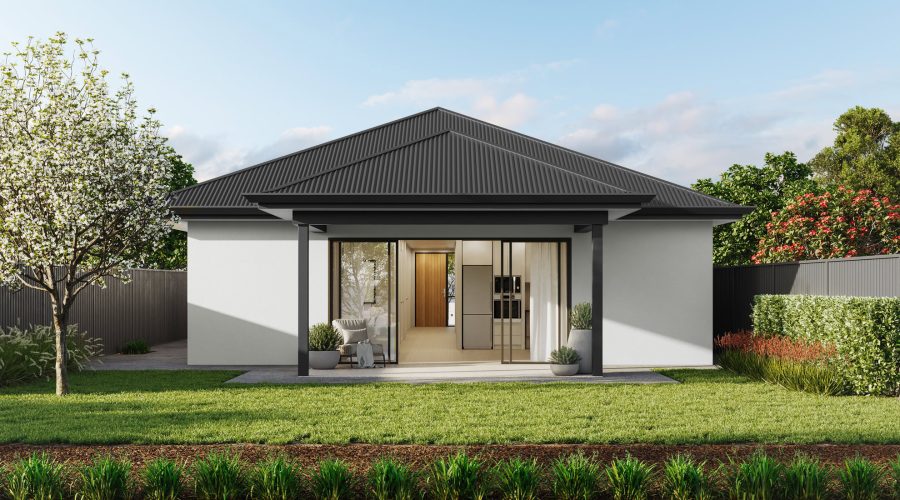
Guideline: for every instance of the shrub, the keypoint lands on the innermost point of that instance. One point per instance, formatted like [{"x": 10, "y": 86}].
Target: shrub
[
  {"x": 895, "y": 472},
  {"x": 629, "y": 478},
  {"x": 324, "y": 337},
  {"x": 575, "y": 477},
  {"x": 37, "y": 477},
  {"x": 219, "y": 476},
  {"x": 332, "y": 480},
  {"x": 458, "y": 477},
  {"x": 860, "y": 479},
  {"x": 863, "y": 331},
  {"x": 136, "y": 347},
  {"x": 30, "y": 354},
  {"x": 392, "y": 480},
  {"x": 517, "y": 479},
  {"x": 580, "y": 317},
  {"x": 106, "y": 478},
  {"x": 805, "y": 478},
  {"x": 163, "y": 480},
  {"x": 820, "y": 378},
  {"x": 275, "y": 479},
  {"x": 758, "y": 477},
  {"x": 564, "y": 356},
  {"x": 685, "y": 479}
]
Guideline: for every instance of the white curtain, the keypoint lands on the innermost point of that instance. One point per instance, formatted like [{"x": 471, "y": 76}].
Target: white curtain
[{"x": 543, "y": 270}]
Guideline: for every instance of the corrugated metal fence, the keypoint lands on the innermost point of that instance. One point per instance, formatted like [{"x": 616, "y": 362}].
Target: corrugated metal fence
[
  {"x": 734, "y": 287},
  {"x": 152, "y": 307}
]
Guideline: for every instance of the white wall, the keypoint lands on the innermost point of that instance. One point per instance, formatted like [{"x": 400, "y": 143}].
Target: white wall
[
  {"x": 657, "y": 293},
  {"x": 242, "y": 293},
  {"x": 242, "y": 286}
]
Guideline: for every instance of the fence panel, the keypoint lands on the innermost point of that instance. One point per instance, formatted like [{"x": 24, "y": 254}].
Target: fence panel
[
  {"x": 151, "y": 307},
  {"x": 734, "y": 287}
]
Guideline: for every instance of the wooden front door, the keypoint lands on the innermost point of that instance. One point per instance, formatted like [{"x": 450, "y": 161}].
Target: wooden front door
[{"x": 431, "y": 289}]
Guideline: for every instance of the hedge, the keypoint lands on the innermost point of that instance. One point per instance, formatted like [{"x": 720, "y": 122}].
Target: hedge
[{"x": 865, "y": 332}]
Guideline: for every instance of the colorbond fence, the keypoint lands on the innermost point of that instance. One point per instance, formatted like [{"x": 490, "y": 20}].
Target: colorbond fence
[
  {"x": 152, "y": 307},
  {"x": 734, "y": 287}
]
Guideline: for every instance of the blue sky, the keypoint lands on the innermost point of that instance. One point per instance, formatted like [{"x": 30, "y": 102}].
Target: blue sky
[{"x": 677, "y": 89}]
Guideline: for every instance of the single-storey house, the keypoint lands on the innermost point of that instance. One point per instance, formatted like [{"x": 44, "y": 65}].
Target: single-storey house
[{"x": 455, "y": 240}]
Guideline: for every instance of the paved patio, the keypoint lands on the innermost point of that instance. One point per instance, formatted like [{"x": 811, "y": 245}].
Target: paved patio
[{"x": 173, "y": 356}]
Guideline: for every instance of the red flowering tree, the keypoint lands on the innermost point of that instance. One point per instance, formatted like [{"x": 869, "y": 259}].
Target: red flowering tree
[{"x": 844, "y": 223}]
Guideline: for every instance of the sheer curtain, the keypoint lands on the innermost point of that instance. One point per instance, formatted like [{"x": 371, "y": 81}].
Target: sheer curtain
[{"x": 543, "y": 270}]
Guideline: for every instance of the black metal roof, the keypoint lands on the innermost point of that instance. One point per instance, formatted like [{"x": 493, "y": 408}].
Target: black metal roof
[{"x": 443, "y": 154}]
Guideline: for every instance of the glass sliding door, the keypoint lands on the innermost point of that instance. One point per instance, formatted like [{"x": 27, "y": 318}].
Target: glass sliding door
[
  {"x": 531, "y": 299},
  {"x": 364, "y": 286}
]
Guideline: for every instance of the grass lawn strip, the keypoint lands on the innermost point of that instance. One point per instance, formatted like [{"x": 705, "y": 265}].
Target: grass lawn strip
[{"x": 188, "y": 407}]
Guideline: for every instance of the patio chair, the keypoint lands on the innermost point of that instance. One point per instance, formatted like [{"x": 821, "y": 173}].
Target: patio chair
[{"x": 355, "y": 331}]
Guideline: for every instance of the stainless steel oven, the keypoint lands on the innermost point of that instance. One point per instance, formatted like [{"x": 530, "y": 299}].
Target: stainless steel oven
[{"x": 507, "y": 308}]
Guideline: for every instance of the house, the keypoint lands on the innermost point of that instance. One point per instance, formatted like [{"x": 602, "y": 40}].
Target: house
[{"x": 456, "y": 240}]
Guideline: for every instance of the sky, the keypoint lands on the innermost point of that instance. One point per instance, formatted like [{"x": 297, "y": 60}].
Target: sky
[{"x": 680, "y": 90}]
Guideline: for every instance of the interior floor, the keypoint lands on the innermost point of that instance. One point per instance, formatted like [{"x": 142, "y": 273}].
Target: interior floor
[{"x": 438, "y": 345}]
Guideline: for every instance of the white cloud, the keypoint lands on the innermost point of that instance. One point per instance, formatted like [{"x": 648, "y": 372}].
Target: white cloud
[
  {"x": 212, "y": 156},
  {"x": 498, "y": 99},
  {"x": 684, "y": 137},
  {"x": 515, "y": 110},
  {"x": 606, "y": 27}
]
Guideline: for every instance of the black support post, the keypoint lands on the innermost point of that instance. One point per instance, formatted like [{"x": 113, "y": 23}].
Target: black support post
[
  {"x": 597, "y": 300},
  {"x": 302, "y": 300}
]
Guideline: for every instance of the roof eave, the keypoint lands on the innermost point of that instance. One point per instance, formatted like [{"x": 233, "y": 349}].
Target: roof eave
[
  {"x": 270, "y": 199},
  {"x": 728, "y": 213}
]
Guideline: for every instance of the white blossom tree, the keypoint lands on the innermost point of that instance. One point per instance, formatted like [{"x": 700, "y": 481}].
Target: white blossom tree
[{"x": 83, "y": 178}]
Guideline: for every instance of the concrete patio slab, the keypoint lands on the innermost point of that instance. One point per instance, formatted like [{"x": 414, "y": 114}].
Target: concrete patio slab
[
  {"x": 441, "y": 373},
  {"x": 173, "y": 356}
]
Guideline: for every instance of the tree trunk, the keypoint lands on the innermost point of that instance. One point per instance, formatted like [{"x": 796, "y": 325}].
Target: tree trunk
[{"x": 59, "y": 326}]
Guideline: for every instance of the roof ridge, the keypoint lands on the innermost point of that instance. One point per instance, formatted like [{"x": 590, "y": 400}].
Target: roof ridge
[
  {"x": 355, "y": 161},
  {"x": 464, "y": 137},
  {"x": 568, "y": 150},
  {"x": 305, "y": 150}
]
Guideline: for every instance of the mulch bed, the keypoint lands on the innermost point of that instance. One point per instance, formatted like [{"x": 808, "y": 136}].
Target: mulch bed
[{"x": 359, "y": 456}]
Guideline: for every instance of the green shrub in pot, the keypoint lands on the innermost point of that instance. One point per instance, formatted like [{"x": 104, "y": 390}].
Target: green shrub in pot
[
  {"x": 580, "y": 317},
  {"x": 324, "y": 337}
]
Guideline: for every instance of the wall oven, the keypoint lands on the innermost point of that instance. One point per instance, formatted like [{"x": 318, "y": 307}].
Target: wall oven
[{"x": 507, "y": 308}]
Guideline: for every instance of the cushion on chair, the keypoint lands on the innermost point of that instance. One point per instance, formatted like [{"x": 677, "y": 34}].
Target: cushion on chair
[
  {"x": 350, "y": 349},
  {"x": 354, "y": 336},
  {"x": 342, "y": 324}
]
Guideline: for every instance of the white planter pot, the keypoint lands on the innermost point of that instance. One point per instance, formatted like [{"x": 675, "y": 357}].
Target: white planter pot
[
  {"x": 323, "y": 360},
  {"x": 581, "y": 341},
  {"x": 564, "y": 370}
]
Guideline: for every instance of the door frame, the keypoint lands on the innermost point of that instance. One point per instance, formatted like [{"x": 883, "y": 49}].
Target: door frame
[
  {"x": 446, "y": 283},
  {"x": 396, "y": 241},
  {"x": 393, "y": 259}
]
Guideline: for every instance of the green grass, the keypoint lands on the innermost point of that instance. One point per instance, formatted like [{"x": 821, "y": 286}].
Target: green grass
[{"x": 197, "y": 407}]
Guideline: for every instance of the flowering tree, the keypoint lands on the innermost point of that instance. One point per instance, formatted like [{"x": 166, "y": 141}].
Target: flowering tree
[
  {"x": 844, "y": 223},
  {"x": 83, "y": 179}
]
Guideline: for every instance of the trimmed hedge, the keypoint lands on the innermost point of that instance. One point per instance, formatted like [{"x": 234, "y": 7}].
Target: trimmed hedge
[{"x": 865, "y": 332}]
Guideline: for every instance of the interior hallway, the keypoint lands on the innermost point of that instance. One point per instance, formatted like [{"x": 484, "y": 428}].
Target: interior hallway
[{"x": 438, "y": 345}]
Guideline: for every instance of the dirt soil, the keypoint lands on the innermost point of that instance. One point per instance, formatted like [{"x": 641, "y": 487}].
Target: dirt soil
[{"x": 359, "y": 456}]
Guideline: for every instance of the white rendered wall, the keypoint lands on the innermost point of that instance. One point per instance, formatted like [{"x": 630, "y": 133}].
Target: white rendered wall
[
  {"x": 657, "y": 293},
  {"x": 242, "y": 293},
  {"x": 242, "y": 286}
]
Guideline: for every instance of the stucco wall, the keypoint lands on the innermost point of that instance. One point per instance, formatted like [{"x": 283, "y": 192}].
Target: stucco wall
[
  {"x": 242, "y": 293},
  {"x": 242, "y": 288},
  {"x": 657, "y": 293}
]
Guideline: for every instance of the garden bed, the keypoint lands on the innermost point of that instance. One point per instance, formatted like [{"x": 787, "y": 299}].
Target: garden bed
[{"x": 360, "y": 456}]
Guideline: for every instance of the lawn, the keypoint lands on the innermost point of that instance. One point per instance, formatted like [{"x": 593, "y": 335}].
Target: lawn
[{"x": 197, "y": 407}]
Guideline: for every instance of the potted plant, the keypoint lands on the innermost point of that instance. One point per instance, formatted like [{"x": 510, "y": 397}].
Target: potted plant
[
  {"x": 564, "y": 361},
  {"x": 323, "y": 343},
  {"x": 580, "y": 337}
]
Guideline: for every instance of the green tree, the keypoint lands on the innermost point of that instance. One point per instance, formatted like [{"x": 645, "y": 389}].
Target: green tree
[
  {"x": 173, "y": 252},
  {"x": 768, "y": 188},
  {"x": 865, "y": 154},
  {"x": 83, "y": 177}
]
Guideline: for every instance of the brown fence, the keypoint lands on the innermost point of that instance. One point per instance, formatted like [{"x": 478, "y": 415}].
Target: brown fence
[
  {"x": 734, "y": 287},
  {"x": 151, "y": 307}
]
